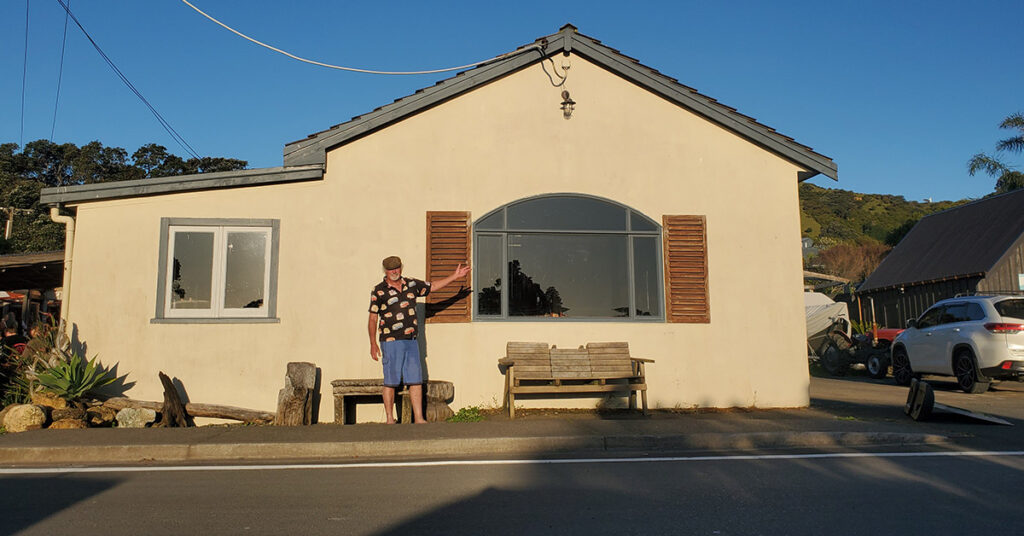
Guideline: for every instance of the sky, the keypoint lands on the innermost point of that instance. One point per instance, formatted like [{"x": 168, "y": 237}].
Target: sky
[{"x": 900, "y": 94}]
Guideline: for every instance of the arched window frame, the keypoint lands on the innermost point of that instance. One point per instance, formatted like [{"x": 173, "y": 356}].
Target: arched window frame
[{"x": 654, "y": 231}]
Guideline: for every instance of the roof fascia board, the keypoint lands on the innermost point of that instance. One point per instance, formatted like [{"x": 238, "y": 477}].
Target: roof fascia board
[
  {"x": 181, "y": 183},
  {"x": 314, "y": 150},
  {"x": 634, "y": 72},
  {"x": 918, "y": 283}
]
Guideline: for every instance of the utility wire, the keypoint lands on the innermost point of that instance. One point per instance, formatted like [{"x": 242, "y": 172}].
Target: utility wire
[
  {"x": 60, "y": 72},
  {"x": 24, "y": 77},
  {"x": 163, "y": 122},
  {"x": 353, "y": 69}
]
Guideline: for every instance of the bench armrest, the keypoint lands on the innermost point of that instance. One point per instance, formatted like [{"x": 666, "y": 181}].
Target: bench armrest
[
  {"x": 506, "y": 361},
  {"x": 641, "y": 360}
]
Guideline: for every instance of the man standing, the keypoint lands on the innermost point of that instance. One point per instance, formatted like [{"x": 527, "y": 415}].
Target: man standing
[{"x": 393, "y": 311}]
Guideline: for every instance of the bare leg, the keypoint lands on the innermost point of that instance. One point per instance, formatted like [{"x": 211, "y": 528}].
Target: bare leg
[
  {"x": 416, "y": 394},
  {"x": 389, "y": 403}
]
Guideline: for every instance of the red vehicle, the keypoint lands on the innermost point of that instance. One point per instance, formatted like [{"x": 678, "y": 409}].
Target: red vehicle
[{"x": 884, "y": 335}]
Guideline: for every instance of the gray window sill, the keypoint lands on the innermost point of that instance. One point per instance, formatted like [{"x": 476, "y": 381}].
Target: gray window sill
[{"x": 214, "y": 320}]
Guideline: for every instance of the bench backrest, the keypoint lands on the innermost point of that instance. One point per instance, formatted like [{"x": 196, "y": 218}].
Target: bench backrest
[
  {"x": 599, "y": 360},
  {"x": 532, "y": 359},
  {"x": 610, "y": 360}
]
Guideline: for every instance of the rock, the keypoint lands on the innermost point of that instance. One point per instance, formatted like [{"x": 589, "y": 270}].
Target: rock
[
  {"x": 295, "y": 401},
  {"x": 22, "y": 417},
  {"x": 100, "y": 416},
  {"x": 49, "y": 400},
  {"x": 135, "y": 417},
  {"x": 68, "y": 424},
  {"x": 67, "y": 413},
  {"x": 3, "y": 412}
]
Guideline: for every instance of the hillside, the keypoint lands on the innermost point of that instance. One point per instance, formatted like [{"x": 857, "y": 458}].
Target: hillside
[{"x": 833, "y": 216}]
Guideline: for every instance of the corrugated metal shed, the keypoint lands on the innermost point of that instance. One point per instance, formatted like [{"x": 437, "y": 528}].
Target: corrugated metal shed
[{"x": 32, "y": 270}]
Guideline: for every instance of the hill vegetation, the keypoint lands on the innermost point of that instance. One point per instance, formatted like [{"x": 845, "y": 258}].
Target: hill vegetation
[{"x": 855, "y": 231}]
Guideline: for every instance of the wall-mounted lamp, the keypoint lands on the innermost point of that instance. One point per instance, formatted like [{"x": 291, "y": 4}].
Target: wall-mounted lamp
[{"x": 567, "y": 104}]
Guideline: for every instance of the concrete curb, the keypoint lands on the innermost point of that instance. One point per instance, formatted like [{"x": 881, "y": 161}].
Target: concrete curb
[{"x": 447, "y": 448}]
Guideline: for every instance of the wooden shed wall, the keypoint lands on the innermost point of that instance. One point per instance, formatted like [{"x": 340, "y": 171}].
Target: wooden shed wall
[
  {"x": 1004, "y": 278},
  {"x": 894, "y": 306}
]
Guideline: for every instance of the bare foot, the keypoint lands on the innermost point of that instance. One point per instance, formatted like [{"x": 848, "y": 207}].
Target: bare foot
[
  {"x": 420, "y": 422},
  {"x": 389, "y": 421}
]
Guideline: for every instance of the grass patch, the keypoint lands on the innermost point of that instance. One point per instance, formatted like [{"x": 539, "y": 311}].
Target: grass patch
[
  {"x": 467, "y": 414},
  {"x": 850, "y": 418},
  {"x": 3, "y": 430}
]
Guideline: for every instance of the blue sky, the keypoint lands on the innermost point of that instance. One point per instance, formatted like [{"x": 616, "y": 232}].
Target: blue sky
[{"x": 899, "y": 94}]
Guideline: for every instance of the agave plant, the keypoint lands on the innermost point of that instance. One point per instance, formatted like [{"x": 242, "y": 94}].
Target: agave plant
[{"x": 73, "y": 378}]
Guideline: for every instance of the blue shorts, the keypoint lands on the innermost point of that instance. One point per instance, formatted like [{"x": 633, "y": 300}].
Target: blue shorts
[{"x": 401, "y": 361}]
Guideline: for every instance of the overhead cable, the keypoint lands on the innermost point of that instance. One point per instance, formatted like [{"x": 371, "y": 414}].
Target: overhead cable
[
  {"x": 24, "y": 77},
  {"x": 163, "y": 122},
  {"x": 354, "y": 69},
  {"x": 60, "y": 72}
]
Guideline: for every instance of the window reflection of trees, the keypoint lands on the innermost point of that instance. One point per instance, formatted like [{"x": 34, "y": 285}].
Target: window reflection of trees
[{"x": 526, "y": 298}]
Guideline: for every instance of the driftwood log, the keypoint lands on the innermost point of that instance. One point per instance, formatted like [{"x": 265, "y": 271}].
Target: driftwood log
[
  {"x": 172, "y": 413},
  {"x": 197, "y": 410}
]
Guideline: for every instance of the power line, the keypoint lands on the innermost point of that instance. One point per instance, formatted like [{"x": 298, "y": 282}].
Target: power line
[
  {"x": 163, "y": 122},
  {"x": 353, "y": 69},
  {"x": 24, "y": 77},
  {"x": 60, "y": 72}
]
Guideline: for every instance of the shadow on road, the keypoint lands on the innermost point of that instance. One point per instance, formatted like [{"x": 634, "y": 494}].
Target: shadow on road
[{"x": 28, "y": 500}]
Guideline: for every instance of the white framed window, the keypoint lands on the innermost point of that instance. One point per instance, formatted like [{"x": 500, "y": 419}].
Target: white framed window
[{"x": 217, "y": 270}]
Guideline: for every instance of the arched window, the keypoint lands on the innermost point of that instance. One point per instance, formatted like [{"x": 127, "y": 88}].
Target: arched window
[{"x": 567, "y": 256}]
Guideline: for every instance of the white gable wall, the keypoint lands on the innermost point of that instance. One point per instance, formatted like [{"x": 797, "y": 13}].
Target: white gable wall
[{"x": 502, "y": 142}]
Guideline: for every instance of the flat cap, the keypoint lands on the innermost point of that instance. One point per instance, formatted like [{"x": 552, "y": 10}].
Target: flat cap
[{"x": 392, "y": 262}]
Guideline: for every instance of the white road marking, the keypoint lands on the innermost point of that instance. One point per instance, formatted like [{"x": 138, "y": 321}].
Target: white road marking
[{"x": 446, "y": 463}]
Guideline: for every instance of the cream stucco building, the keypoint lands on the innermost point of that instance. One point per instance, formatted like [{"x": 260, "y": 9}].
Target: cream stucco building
[{"x": 221, "y": 279}]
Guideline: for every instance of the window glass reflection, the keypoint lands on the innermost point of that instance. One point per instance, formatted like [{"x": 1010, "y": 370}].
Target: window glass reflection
[
  {"x": 494, "y": 221},
  {"x": 568, "y": 275},
  {"x": 646, "y": 279},
  {"x": 192, "y": 270},
  {"x": 640, "y": 223},
  {"x": 567, "y": 213},
  {"x": 244, "y": 279},
  {"x": 488, "y": 274}
]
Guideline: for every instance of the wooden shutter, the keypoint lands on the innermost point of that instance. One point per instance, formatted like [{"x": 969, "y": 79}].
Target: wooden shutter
[
  {"x": 686, "y": 269},
  {"x": 448, "y": 245}
]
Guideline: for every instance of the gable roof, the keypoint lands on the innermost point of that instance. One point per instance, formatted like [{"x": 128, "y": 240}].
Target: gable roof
[
  {"x": 313, "y": 149},
  {"x": 968, "y": 240}
]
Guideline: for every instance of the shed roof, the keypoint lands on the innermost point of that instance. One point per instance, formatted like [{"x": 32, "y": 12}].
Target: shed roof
[
  {"x": 31, "y": 270},
  {"x": 313, "y": 149},
  {"x": 963, "y": 241}
]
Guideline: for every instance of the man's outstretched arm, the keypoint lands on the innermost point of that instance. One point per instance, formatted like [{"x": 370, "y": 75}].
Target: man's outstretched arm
[{"x": 460, "y": 271}]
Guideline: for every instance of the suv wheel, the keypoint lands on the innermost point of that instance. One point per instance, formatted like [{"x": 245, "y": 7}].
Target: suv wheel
[
  {"x": 967, "y": 374},
  {"x": 878, "y": 366},
  {"x": 901, "y": 371}
]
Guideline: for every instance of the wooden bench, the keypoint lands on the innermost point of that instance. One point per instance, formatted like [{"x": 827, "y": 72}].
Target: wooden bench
[
  {"x": 348, "y": 392},
  {"x": 599, "y": 367}
]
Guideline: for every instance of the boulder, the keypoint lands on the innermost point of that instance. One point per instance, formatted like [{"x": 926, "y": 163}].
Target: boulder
[
  {"x": 3, "y": 413},
  {"x": 135, "y": 417},
  {"x": 49, "y": 400},
  {"x": 67, "y": 413},
  {"x": 23, "y": 417},
  {"x": 68, "y": 424},
  {"x": 100, "y": 416}
]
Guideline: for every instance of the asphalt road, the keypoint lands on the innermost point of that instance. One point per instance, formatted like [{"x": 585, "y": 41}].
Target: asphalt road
[{"x": 868, "y": 495}]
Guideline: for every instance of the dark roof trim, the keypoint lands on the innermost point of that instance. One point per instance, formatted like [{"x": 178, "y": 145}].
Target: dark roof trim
[
  {"x": 181, "y": 183},
  {"x": 20, "y": 260},
  {"x": 918, "y": 283},
  {"x": 313, "y": 149}
]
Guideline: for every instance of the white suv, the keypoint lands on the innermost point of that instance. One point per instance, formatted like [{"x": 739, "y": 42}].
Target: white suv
[{"x": 975, "y": 338}]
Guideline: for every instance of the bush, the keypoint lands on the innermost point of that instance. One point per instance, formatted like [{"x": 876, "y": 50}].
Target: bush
[{"x": 467, "y": 414}]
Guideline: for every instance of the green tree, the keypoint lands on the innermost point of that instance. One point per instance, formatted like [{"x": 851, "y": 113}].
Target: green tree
[
  {"x": 42, "y": 163},
  {"x": 1007, "y": 178}
]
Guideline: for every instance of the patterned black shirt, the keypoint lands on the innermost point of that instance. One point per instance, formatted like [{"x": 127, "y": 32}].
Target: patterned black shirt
[{"x": 396, "y": 309}]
